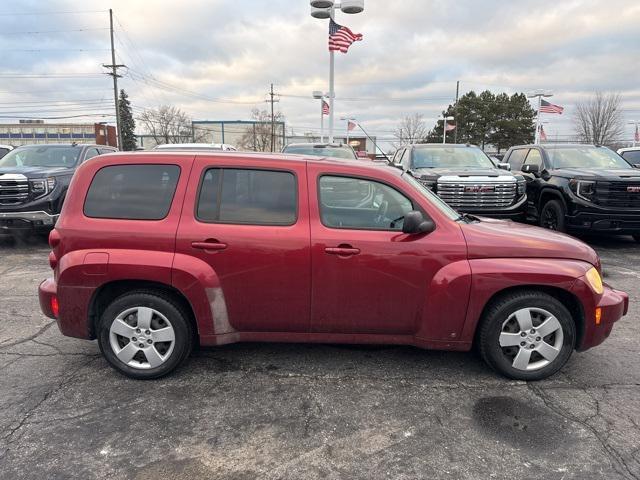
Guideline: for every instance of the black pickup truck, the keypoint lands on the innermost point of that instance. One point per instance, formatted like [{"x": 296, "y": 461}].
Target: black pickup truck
[
  {"x": 579, "y": 187},
  {"x": 465, "y": 178},
  {"x": 34, "y": 181}
]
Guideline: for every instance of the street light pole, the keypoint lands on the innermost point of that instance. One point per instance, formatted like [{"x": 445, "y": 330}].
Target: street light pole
[
  {"x": 317, "y": 94},
  {"x": 324, "y": 9},
  {"x": 635, "y": 131}
]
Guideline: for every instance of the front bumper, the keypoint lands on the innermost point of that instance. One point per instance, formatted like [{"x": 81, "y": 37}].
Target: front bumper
[
  {"x": 27, "y": 220},
  {"x": 613, "y": 305},
  {"x": 605, "y": 222}
]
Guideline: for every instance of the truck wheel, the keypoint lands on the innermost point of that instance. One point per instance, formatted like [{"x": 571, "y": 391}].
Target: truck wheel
[
  {"x": 527, "y": 335},
  {"x": 552, "y": 216},
  {"x": 144, "y": 334}
]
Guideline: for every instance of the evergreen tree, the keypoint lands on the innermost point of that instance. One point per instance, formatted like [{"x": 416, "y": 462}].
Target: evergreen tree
[
  {"x": 127, "y": 123},
  {"x": 488, "y": 119}
]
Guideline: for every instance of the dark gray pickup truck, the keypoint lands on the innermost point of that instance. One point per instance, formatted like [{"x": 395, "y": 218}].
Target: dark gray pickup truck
[{"x": 34, "y": 181}]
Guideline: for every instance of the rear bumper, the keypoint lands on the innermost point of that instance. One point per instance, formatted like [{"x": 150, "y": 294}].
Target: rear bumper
[
  {"x": 46, "y": 292},
  {"x": 622, "y": 223},
  {"x": 26, "y": 220},
  {"x": 614, "y": 304}
]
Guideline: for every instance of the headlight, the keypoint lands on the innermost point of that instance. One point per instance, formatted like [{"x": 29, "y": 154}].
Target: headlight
[
  {"x": 42, "y": 187},
  {"x": 595, "y": 280},
  {"x": 584, "y": 189},
  {"x": 522, "y": 187}
]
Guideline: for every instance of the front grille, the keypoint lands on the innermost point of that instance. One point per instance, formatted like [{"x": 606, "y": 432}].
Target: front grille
[
  {"x": 13, "y": 191},
  {"x": 477, "y": 196},
  {"x": 618, "y": 194}
]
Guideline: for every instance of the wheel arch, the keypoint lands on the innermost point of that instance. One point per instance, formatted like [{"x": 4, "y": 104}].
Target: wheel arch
[
  {"x": 109, "y": 291},
  {"x": 551, "y": 194},
  {"x": 568, "y": 299}
]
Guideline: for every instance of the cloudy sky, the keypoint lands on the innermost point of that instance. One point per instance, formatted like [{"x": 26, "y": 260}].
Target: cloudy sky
[{"x": 215, "y": 59}]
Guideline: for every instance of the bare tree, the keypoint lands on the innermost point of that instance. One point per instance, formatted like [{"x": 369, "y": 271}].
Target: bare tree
[
  {"x": 412, "y": 129},
  {"x": 600, "y": 120},
  {"x": 167, "y": 124},
  {"x": 258, "y": 135}
]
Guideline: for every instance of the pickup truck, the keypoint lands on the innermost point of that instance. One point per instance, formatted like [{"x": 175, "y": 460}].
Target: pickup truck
[{"x": 34, "y": 181}]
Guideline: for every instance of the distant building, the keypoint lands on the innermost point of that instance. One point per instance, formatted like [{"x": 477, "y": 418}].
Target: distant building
[{"x": 37, "y": 132}]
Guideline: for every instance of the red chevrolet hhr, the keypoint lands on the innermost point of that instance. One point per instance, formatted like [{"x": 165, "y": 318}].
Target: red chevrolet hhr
[{"x": 154, "y": 252}]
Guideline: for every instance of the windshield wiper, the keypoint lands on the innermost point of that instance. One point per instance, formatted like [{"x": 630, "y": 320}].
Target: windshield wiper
[{"x": 468, "y": 217}]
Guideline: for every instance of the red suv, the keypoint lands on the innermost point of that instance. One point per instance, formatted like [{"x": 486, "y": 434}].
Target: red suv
[{"x": 155, "y": 252}]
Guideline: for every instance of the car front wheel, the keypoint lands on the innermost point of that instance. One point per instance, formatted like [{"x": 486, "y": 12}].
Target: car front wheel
[
  {"x": 527, "y": 335},
  {"x": 552, "y": 216},
  {"x": 145, "y": 335}
]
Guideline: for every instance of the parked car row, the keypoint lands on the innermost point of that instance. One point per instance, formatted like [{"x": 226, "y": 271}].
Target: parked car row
[{"x": 560, "y": 187}]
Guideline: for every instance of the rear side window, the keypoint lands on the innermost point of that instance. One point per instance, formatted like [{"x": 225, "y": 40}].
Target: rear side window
[
  {"x": 244, "y": 196},
  {"x": 132, "y": 192}
]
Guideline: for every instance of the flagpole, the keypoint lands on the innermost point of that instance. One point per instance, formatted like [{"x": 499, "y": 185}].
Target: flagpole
[
  {"x": 537, "y": 137},
  {"x": 331, "y": 92},
  {"x": 322, "y": 120}
]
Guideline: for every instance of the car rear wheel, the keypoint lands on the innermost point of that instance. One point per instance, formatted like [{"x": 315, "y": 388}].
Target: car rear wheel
[
  {"x": 527, "y": 335},
  {"x": 145, "y": 335},
  {"x": 552, "y": 216}
]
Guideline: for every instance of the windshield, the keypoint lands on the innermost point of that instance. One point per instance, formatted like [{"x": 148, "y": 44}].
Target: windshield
[
  {"x": 336, "y": 152},
  {"x": 585, "y": 157},
  {"x": 632, "y": 156},
  {"x": 41, "y": 156},
  {"x": 450, "y": 157},
  {"x": 432, "y": 197}
]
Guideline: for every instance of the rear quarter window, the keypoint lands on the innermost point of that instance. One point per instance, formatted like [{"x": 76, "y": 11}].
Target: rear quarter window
[{"x": 132, "y": 192}]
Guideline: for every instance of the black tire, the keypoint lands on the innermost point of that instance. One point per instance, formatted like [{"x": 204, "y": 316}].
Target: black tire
[
  {"x": 165, "y": 306},
  {"x": 553, "y": 216},
  {"x": 493, "y": 325},
  {"x": 636, "y": 238}
]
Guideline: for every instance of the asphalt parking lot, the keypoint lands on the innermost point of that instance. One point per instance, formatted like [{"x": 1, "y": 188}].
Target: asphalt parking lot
[{"x": 309, "y": 411}]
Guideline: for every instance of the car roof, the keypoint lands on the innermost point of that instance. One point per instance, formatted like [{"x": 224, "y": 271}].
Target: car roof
[
  {"x": 626, "y": 149},
  {"x": 558, "y": 145},
  {"x": 317, "y": 145},
  {"x": 194, "y": 146},
  {"x": 78, "y": 145},
  {"x": 260, "y": 156},
  {"x": 441, "y": 145}
]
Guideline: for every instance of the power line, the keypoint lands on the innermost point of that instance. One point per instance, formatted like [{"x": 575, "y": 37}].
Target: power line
[
  {"x": 71, "y": 12},
  {"x": 39, "y": 50},
  {"x": 54, "y": 31},
  {"x": 51, "y": 75}
]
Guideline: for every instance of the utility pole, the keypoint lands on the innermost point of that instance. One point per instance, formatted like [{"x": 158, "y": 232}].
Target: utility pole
[
  {"x": 455, "y": 112},
  {"x": 114, "y": 73},
  {"x": 272, "y": 100}
]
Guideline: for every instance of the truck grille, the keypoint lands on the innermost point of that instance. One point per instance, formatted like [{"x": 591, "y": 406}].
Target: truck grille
[
  {"x": 14, "y": 189},
  {"x": 618, "y": 194},
  {"x": 477, "y": 196}
]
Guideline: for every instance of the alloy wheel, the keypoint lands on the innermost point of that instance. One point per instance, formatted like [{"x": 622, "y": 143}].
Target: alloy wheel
[
  {"x": 142, "y": 337},
  {"x": 531, "y": 339},
  {"x": 550, "y": 219}
]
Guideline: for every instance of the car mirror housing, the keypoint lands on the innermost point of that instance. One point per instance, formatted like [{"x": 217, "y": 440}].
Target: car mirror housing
[
  {"x": 636, "y": 165},
  {"x": 533, "y": 169},
  {"x": 504, "y": 166},
  {"x": 415, "y": 223}
]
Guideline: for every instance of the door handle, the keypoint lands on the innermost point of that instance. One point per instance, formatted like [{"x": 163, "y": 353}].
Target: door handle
[
  {"x": 209, "y": 245},
  {"x": 346, "y": 250}
]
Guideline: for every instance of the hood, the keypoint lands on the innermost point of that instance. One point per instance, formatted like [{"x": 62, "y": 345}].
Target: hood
[
  {"x": 37, "y": 172},
  {"x": 432, "y": 173},
  {"x": 601, "y": 174},
  {"x": 506, "y": 239}
]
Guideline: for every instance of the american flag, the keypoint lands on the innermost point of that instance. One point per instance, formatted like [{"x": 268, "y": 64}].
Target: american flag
[
  {"x": 543, "y": 134},
  {"x": 340, "y": 38},
  {"x": 448, "y": 127},
  {"x": 351, "y": 125},
  {"x": 546, "y": 107},
  {"x": 325, "y": 108}
]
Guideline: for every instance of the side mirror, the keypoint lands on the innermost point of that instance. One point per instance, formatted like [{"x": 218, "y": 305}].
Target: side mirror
[
  {"x": 533, "y": 169},
  {"x": 504, "y": 166},
  {"x": 636, "y": 165},
  {"x": 414, "y": 223}
]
